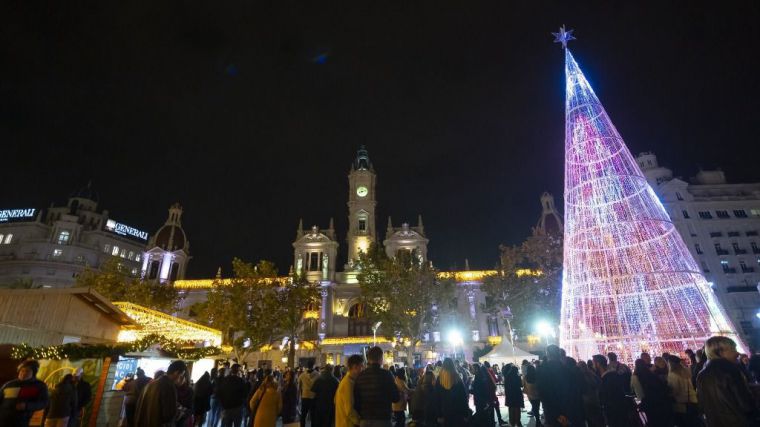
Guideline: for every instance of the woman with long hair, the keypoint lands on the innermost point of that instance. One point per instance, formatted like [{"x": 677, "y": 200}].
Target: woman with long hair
[
  {"x": 452, "y": 398},
  {"x": 653, "y": 394},
  {"x": 266, "y": 403},
  {"x": 399, "y": 408},
  {"x": 513, "y": 394},
  {"x": 289, "y": 399}
]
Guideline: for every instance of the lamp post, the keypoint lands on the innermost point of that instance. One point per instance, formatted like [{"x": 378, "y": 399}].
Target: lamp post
[
  {"x": 375, "y": 327},
  {"x": 507, "y": 313}
]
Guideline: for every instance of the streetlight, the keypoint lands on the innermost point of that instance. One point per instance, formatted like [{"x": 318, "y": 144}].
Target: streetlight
[
  {"x": 455, "y": 338},
  {"x": 545, "y": 329},
  {"x": 375, "y": 327}
]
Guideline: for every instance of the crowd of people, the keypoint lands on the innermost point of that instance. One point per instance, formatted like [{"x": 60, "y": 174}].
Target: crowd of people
[
  {"x": 711, "y": 387},
  {"x": 23, "y": 397}
]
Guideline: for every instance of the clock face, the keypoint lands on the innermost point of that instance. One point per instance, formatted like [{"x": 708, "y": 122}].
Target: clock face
[{"x": 361, "y": 191}]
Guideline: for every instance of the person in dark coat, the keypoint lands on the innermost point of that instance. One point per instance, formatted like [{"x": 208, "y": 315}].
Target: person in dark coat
[
  {"x": 157, "y": 406},
  {"x": 63, "y": 403},
  {"x": 513, "y": 395},
  {"x": 483, "y": 388},
  {"x": 132, "y": 391},
  {"x": 231, "y": 394},
  {"x": 84, "y": 396},
  {"x": 654, "y": 396},
  {"x": 612, "y": 395},
  {"x": 722, "y": 390},
  {"x": 324, "y": 388},
  {"x": 22, "y": 397},
  {"x": 560, "y": 388},
  {"x": 375, "y": 390},
  {"x": 202, "y": 398},
  {"x": 289, "y": 398},
  {"x": 453, "y": 406}
]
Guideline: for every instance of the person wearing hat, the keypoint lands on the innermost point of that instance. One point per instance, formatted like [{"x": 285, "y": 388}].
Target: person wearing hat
[
  {"x": 84, "y": 395},
  {"x": 20, "y": 398}
]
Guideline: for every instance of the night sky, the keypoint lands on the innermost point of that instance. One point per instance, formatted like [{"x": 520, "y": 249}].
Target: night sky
[{"x": 249, "y": 114}]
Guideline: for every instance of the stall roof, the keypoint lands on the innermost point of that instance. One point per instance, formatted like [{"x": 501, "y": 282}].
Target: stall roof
[
  {"x": 155, "y": 322},
  {"x": 87, "y": 295}
]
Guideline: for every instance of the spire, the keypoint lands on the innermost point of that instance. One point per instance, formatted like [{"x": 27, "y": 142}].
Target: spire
[
  {"x": 420, "y": 227},
  {"x": 299, "y": 230},
  {"x": 466, "y": 264},
  {"x": 629, "y": 280},
  {"x": 362, "y": 161},
  {"x": 219, "y": 273},
  {"x": 389, "y": 230},
  {"x": 331, "y": 229}
]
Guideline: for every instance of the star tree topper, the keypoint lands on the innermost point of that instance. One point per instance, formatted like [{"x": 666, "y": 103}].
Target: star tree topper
[{"x": 563, "y": 36}]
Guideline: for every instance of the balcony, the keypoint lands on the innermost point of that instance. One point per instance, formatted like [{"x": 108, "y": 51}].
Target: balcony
[
  {"x": 740, "y": 251},
  {"x": 729, "y": 270},
  {"x": 756, "y": 251},
  {"x": 735, "y": 289},
  {"x": 748, "y": 269},
  {"x": 721, "y": 252},
  {"x": 716, "y": 234}
]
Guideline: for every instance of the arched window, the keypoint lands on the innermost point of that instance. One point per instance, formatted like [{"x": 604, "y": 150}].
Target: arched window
[{"x": 358, "y": 324}]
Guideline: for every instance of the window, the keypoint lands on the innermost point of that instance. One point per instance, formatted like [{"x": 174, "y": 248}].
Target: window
[
  {"x": 733, "y": 234},
  {"x": 716, "y": 234},
  {"x": 131, "y": 255},
  {"x": 476, "y": 335},
  {"x": 436, "y": 336},
  {"x": 79, "y": 259},
  {"x": 8, "y": 239},
  {"x": 698, "y": 249},
  {"x": 106, "y": 248},
  {"x": 740, "y": 213},
  {"x": 724, "y": 264},
  {"x": 745, "y": 268},
  {"x": 755, "y": 248},
  {"x": 705, "y": 269},
  {"x": 115, "y": 250},
  {"x": 685, "y": 214},
  {"x": 314, "y": 261},
  {"x": 1, "y": 237},
  {"x": 123, "y": 253},
  {"x": 705, "y": 215},
  {"x": 137, "y": 257},
  {"x": 153, "y": 272},
  {"x": 57, "y": 253},
  {"x": 63, "y": 237},
  {"x": 362, "y": 224},
  {"x": 679, "y": 196},
  {"x": 722, "y": 214},
  {"x": 752, "y": 233},
  {"x": 719, "y": 250}
]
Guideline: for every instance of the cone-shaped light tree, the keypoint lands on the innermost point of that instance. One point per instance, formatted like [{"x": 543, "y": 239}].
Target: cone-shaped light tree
[{"x": 630, "y": 283}]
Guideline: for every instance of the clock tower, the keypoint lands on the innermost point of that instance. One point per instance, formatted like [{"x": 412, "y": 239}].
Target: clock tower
[{"x": 361, "y": 205}]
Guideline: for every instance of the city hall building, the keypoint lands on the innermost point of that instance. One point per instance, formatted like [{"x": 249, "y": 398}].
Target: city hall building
[
  {"x": 341, "y": 323},
  {"x": 49, "y": 248}
]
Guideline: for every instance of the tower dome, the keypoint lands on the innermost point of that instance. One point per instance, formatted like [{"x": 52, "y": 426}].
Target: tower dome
[
  {"x": 550, "y": 222},
  {"x": 171, "y": 236}
]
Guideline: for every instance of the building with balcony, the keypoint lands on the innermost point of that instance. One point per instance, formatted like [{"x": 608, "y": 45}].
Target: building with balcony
[{"x": 720, "y": 223}]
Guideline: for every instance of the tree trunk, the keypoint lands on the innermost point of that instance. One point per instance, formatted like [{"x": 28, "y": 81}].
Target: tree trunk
[{"x": 292, "y": 353}]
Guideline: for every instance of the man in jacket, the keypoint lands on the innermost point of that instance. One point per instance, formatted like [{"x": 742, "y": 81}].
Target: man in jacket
[
  {"x": 722, "y": 390},
  {"x": 374, "y": 392},
  {"x": 345, "y": 413},
  {"x": 20, "y": 398},
  {"x": 132, "y": 392},
  {"x": 84, "y": 395},
  {"x": 157, "y": 406},
  {"x": 324, "y": 388},
  {"x": 231, "y": 393}
]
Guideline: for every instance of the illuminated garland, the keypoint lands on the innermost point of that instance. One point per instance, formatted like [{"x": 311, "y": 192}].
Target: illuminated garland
[
  {"x": 630, "y": 283},
  {"x": 74, "y": 351}
]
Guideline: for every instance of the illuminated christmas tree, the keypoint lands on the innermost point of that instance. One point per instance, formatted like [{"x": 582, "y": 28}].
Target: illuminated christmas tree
[{"x": 630, "y": 284}]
